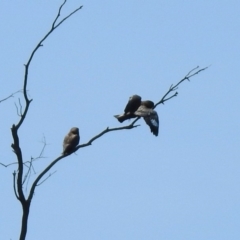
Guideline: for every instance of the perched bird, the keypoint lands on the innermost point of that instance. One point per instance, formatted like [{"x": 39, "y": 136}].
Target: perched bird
[
  {"x": 71, "y": 141},
  {"x": 150, "y": 116},
  {"x": 133, "y": 104}
]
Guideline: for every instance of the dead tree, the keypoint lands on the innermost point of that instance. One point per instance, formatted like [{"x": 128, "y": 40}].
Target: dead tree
[{"x": 18, "y": 176}]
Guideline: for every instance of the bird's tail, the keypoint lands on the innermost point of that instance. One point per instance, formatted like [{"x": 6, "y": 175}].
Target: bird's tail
[{"x": 122, "y": 117}]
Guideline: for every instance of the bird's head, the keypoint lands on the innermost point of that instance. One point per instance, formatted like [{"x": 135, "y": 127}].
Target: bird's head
[
  {"x": 148, "y": 104},
  {"x": 74, "y": 130}
]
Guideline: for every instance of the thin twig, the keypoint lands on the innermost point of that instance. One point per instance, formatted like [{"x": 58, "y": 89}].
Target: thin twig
[
  {"x": 40, "y": 156},
  {"x": 50, "y": 174},
  {"x": 14, "y": 184},
  {"x": 192, "y": 71},
  {"x": 30, "y": 167},
  {"x": 58, "y": 15},
  {"x": 12, "y": 95},
  {"x": 41, "y": 175},
  {"x": 19, "y": 102},
  {"x": 28, "y": 171},
  {"x": 175, "y": 87},
  {"x": 7, "y": 165},
  {"x": 68, "y": 16},
  {"x": 28, "y": 175},
  {"x": 18, "y": 113}
]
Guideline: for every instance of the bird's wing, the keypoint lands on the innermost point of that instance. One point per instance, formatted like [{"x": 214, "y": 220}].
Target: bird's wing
[
  {"x": 70, "y": 142},
  {"x": 152, "y": 121},
  {"x": 142, "y": 111},
  {"x": 75, "y": 140},
  {"x": 150, "y": 116}
]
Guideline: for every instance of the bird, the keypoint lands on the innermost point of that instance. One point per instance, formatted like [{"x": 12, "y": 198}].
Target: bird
[
  {"x": 70, "y": 141},
  {"x": 133, "y": 104},
  {"x": 149, "y": 115}
]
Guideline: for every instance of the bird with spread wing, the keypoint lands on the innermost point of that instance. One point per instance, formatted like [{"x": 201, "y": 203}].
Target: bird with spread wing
[{"x": 137, "y": 108}]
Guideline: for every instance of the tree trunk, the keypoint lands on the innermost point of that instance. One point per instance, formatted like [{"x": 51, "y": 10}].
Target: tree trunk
[{"x": 25, "y": 207}]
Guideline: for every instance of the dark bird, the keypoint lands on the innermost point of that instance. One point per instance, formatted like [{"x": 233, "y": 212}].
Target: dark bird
[
  {"x": 150, "y": 116},
  {"x": 133, "y": 104},
  {"x": 71, "y": 141}
]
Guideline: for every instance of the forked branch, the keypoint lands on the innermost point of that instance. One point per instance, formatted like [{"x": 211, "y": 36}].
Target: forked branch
[
  {"x": 18, "y": 177},
  {"x": 107, "y": 130},
  {"x": 16, "y": 145},
  {"x": 173, "y": 88},
  {"x": 36, "y": 182},
  {"x": 40, "y": 44}
]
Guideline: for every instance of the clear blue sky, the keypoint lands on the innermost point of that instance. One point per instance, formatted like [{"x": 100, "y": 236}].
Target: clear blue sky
[{"x": 183, "y": 184}]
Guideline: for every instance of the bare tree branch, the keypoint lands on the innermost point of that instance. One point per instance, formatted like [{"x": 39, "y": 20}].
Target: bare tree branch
[
  {"x": 41, "y": 175},
  {"x": 107, "y": 130},
  {"x": 32, "y": 159},
  {"x": 17, "y": 150},
  {"x": 14, "y": 184},
  {"x": 23, "y": 113},
  {"x": 36, "y": 182},
  {"x": 32, "y": 54},
  {"x": 27, "y": 175},
  {"x": 19, "y": 112},
  {"x": 175, "y": 87},
  {"x": 25, "y": 163},
  {"x": 58, "y": 15},
  {"x": 7, "y": 165},
  {"x": 12, "y": 95},
  {"x": 130, "y": 126},
  {"x": 68, "y": 16},
  {"x": 16, "y": 145},
  {"x": 30, "y": 167},
  {"x": 50, "y": 174}
]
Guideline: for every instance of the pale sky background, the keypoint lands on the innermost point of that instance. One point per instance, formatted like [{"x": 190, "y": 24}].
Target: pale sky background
[{"x": 183, "y": 184}]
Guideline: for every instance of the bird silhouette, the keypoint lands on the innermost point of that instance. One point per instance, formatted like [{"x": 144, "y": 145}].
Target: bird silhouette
[
  {"x": 71, "y": 140},
  {"x": 137, "y": 108},
  {"x": 133, "y": 104}
]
